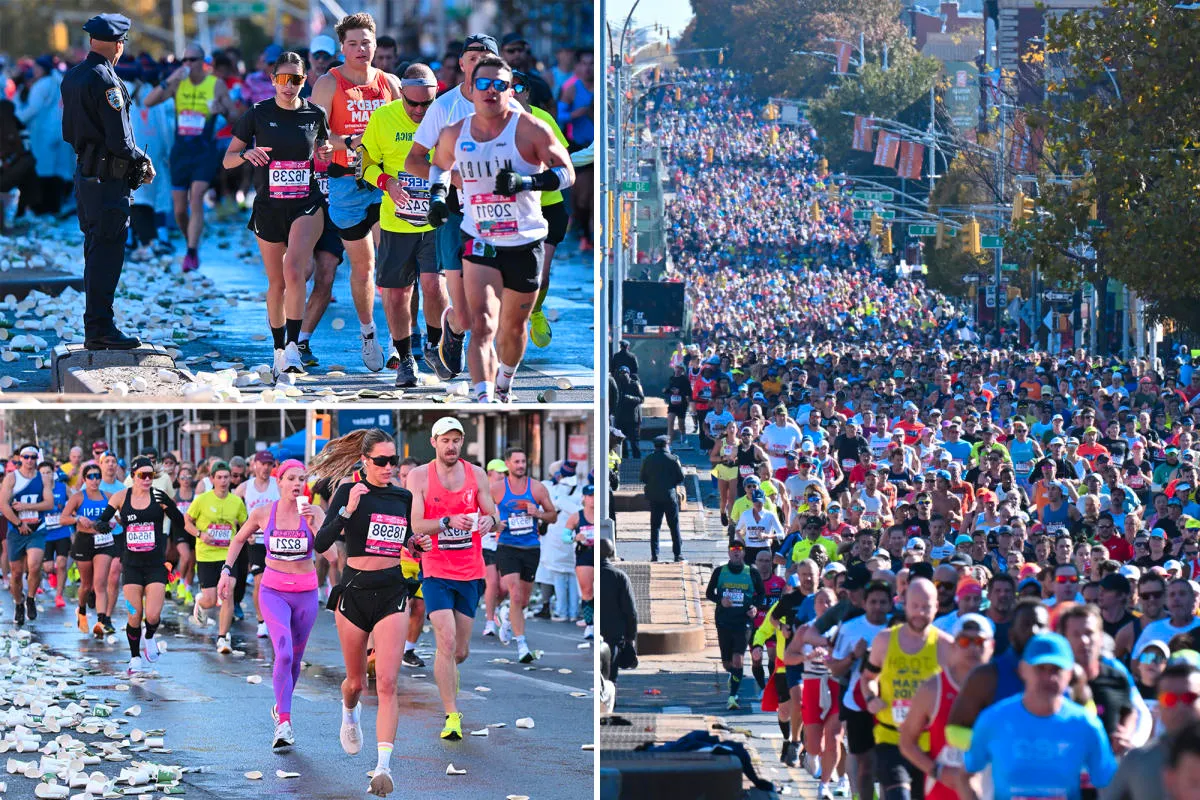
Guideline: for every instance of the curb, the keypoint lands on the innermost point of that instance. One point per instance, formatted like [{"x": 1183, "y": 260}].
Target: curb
[
  {"x": 48, "y": 282},
  {"x": 76, "y": 370}
]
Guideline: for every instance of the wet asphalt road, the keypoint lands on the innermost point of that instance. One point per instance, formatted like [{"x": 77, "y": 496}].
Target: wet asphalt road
[{"x": 216, "y": 720}]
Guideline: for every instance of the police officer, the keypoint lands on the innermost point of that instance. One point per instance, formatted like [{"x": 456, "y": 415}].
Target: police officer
[{"x": 109, "y": 164}]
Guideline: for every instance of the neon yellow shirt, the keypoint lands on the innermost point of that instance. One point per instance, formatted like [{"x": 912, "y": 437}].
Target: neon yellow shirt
[
  {"x": 387, "y": 139},
  {"x": 221, "y": 518},
  {"x": 550, "y": 198}
]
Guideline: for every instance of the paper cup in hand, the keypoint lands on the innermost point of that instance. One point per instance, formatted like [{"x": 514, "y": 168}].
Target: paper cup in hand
[
  {"x": 474, "y": 517},
  {"x": 302, "y": 505}
]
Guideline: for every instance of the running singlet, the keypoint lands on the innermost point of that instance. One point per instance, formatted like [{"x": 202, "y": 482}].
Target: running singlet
[
  {"x": 92, "y": 509},
  {"x": 193, "y": 108},
  {"x": 28, "y": 491},
  {"x": 456, "y": 555},
  {"x": 388, "y": 138},
  {"x": 490, "y": 218},
  {"x": 50, "y": 522},
  {"x": 255, "y": 498},
  {"x": 220, "y": 518},
  {"x": 738, "y": 588},
  {"x": 378, "y": 527},
  {"x": 520, "y": 529},
  {"x": 287, "y": 545},
  {"x": 145, "y": 534},
  {"x": 950, "y": 757},
  {"x": 901, "y": 676},
  {"x": 588, "y": 529},
  {"x": 292, "y": 136},
  {"x": 353, "y": 105}
]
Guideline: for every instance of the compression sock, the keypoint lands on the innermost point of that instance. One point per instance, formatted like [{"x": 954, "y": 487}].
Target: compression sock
[
  {"x": 385, "y": 756},
  {"x": 785, "y": 727},
  {"x": 134, "y": 635},
  {"x": 304, "y": 337},
  {"x": 293, "y": 329},
  {"x": 735, "y": 681},
  {"x": 433, "y": 335},
  {"x": 760, "y": 675},
  {"x": 588, "y": 611},
  {"x": 277, "y": 336},
  {"x": 541, "y": 298},
  {"x": 151, "y": 629},
  {"x": 191, "y": 251},
  {"x": 403, "y": 346},
  {"x": 504, "y": 377},
  {"x": 520, "y": 639}
]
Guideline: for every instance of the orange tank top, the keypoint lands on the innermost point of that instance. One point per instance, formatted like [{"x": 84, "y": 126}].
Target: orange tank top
[
  {"x": 352, "y": 106},
  {"x": 456, "y": 554}
]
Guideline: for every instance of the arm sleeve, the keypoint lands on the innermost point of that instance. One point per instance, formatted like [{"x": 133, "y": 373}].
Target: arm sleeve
[
  {"x": 169, "y": 508},
  {"x": 104, "y": 524},
  {"x": 331, "y": 529},
  {"x": 371, "y": 143},
  {"x": 760, "y": 592}
]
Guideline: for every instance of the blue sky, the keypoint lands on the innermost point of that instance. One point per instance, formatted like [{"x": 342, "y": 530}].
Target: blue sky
[{"x": 675, "y": 14}]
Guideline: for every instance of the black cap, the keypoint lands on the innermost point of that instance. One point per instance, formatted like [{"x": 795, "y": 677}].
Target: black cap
[
  {"x": 149, "y": 450},
  {"x": 857, "y": 577},
  {"x": 108, "y": 27},
  {"x": 141, "y": 462},
  {"x": 509, "y": 38},
  {"x": 481, "y": 40},
  {"x": 661, "y": 441},
  {"x": 961, "y": 560},
  {"x": 1116, "y": 582},
  {"x": 922, "y": 569}
]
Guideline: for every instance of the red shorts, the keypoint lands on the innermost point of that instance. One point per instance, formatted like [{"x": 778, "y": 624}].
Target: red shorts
[{"x": 810, "y": 700}]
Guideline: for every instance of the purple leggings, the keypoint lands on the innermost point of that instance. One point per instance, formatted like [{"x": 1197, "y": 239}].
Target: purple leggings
[{"x": 290, "y": 617}]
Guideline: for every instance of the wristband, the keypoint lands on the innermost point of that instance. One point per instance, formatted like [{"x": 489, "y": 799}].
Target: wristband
[
  {"x": 438, "y": 176},
  {"x": 227, "y": 569},
  {"x": 346, "y": 141},
  {"x": 382, "y": 180}
]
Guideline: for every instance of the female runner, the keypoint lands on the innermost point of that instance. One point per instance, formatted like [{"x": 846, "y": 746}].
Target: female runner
[
  {"x": 288, "y": 598},
  {"x": 582, "y": 526},
  {"x": 372, "y": 517},
  {"x": 92, "y": 551},
  {"x": 289, "y": 209},
  {"x": 143, "y": 509}
]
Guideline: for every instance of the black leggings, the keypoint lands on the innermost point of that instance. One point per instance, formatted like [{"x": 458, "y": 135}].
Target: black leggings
[
  {"x": 141, "y": 219},
  {"x": 241, "y": 569}
]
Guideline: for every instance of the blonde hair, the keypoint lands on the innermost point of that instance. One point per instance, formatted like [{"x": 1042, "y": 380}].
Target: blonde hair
[{"x": 339, "y": 456}]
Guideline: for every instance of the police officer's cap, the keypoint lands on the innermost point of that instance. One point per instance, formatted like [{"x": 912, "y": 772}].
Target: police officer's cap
[{"x": 108, "y": 27}]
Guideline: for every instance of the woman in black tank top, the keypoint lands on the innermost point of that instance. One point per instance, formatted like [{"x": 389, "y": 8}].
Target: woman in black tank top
[{"x": 582, "y": 526}]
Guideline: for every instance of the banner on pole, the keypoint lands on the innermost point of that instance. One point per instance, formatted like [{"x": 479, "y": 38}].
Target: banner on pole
[
  {"x": 912, "y": 155},
  {"x": 887, "y": 150},
  {"x": 864, "y": 134}
]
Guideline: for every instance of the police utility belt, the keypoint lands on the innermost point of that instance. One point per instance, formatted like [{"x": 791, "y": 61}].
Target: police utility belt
[{"x": 101, "y": 165}]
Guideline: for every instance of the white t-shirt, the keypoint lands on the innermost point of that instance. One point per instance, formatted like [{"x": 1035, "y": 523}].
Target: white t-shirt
[
  {"x": 1161, "y": 630},
  {"x": 757, "y": 531},
  {"x": 851, "y": 633},
  {"x": 797, "y": 487},
  {"x": 716, "y": 423},
  {"x": 445, "y": 111},
  {"x": 777, "y": 441}
]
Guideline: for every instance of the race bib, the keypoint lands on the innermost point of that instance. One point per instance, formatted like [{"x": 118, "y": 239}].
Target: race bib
[
  {"x": 1135, "y": 481},
  {"x": 287, "y": 545},
  {"x": 755, "y": 535},
  {"x": 415, "y": 209},
  {"x": 27, "y": 515},
  {"x": 454, "y": 539},
  {"x": 736, "y": 597},
  {"x": 676, "y": 398},
  {"x": 1022, "y": 468},
  {"x": 520, "y": 524},
  {"x": 727, "y": 451},
  {"x": 190, "y": 123},
  {"x": 495, "y": 215},
  {"x": 139, "y": 537},
  {"x": 52, "y": 521},
  {"x": 102, "y": 539},
  {"x": 289, "y": 180},
  {"x": 745, "y": 470},
  {"x": 869, "y": 518},
  {"x": 589, "y": 534},
  {"x": 848, "y": 463},
  {"x": 386, "y": 534},
  {"x": 900, "y": 711},
  {"x": 220, "y": 534}
]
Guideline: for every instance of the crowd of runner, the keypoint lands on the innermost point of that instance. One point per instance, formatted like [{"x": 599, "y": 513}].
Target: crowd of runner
[
  {"x": 959, "y": 572},
  {"x": 385, "y": 542},
  {"x": 294, "y": 136}
]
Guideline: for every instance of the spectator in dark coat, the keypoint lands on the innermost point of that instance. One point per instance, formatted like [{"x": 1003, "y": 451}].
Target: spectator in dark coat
[
  {"x": 662, "y": 475},
  {"x": 630, "y": 396},
  {"x": 618, "y": 613}
]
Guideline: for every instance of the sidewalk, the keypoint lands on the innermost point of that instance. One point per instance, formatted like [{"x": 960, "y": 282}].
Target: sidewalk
[{"x": 686, "y": 689}]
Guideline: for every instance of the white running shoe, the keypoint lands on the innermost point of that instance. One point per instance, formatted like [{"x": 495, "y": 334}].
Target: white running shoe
[
  {"x": 589, "y": 633},
  {"x": 824, "y": 791},
  {"x": 372, "y": 353},
  {"x": 262, "y": 630},
  {"x": 135, "y": 666},
  {"x": 283, "y": 736},
  {"x": 351, "y": 734},
  {"x": 843, "y": 786},
  {"x": 279, "y": 365},
  {"x": 223, "y": 646},
  {"x": 381, "y": 783},
  {"x": 489, "y": 628},
  {"x": 524, "y": 654},
  {"x": 150, "y": 649},
  {"x": 291, "y": 359},
  {"x": 505, "y": 627},
  {"x": 199, "y": 614}
]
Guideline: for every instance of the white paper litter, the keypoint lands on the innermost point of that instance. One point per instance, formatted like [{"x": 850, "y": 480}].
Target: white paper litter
[
  {"x": 480, "y": 732},
  {"x": 254, "y": 775},
  {"x": 525, "y": 722},
  {"x": 255, "y": 679},
  {"x": 282, "y": 774},
  {"x": 450, "y": 770}
]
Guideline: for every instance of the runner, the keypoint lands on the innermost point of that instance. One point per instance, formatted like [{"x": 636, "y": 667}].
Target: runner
[
  {"x": 199, "y": 99},
  {"x": 820, "y": 706},
  {"x": 372, "y": 518},
  {"x": 289, "y": 577},
  {"x": 91, "y": 551},
  {"x": 280, "y": 137},
  {"x": 185, "y": 542},
  {"x": 58, "y": 536},
  {"x": 494, "y": 592},
  {"x": 581, "y": 526},
  {"x": 212, "y": 518},
  {"x": 349, "y": 94},
  {"x": 262, "y": 490},
  {"x": 500, "y": 153},
  {"x": 142, "y": 559},
  {"x": 407, "y": 246},
  {"x": 524, "y": 506},
  {"x": 451, "y": 506},
  {"x": 737, "y": 590},
  {"x": 411, "y": 568},
  {"x": 24, "y": 499}
]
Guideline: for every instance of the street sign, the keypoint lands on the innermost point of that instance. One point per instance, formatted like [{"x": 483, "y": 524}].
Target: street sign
[
  {"x": 991, "y": 242},
  {"x": 878, "y": 197},
  {"x": 1010, "y": 267},
  {"x": 888, "y": 215},
  {"x": 196, "y": 427},
  {"x": 635, "y": 186},
  {"x": 989, "y": 297},
  {"x": 1052, "y": 296},
  {"x": 862, "y": 215},
  {"x": 922, "y": 230},
  {"x": 971, "y": 278},
  {"x": 237, "y": 8}
]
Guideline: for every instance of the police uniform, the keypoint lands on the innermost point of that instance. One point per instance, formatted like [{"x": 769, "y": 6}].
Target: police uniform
[{"x": 96, "y": 124}]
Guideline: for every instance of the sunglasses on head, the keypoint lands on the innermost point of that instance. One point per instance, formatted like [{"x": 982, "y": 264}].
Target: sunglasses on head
[
  {"x": 284, "y": 78},
  {"x": 384, "y": 461},
  {"x": 1172, "y": 699},
  {"x": 483, "y": 84},
  {"x": 418, "y": 103}
]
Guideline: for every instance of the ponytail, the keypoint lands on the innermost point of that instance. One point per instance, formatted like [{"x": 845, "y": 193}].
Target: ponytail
[{"x": 338, "y": 458}]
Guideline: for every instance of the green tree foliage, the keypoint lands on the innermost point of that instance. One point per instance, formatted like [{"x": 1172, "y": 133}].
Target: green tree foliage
[
  {"x": 1137, "y": 153},
  {"x": 960, "y": 186}
]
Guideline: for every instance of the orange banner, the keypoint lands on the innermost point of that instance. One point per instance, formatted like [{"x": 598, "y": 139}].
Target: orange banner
[
  {"x": 864, "y": 135},
  {"x": 912, "y": 156},
  {"x": 843, "y": 58},
  {"x": 887, "y": 150}
]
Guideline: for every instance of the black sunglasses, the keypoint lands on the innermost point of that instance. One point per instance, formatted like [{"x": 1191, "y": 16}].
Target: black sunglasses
[
  {"x": 92, "y": 476},
  {"x": 189, "y": 59},
  {"x": 415, "y": 104},
  {"x": 384, "y": 461}
]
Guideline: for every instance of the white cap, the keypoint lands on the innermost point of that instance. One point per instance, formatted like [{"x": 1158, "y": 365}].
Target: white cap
[
  {"x": 834, "y": 566},
  {"x": 324, "y": 44},
  {"x": 986, "y": 629},
  {"x": 447, "y": 424},
  {"x": 1130, "y": 571}
]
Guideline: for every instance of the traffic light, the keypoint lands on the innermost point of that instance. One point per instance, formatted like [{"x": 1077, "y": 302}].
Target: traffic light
[
  {"x": 1023, "y": 207},
  {"x": 815, "y": 210},
  {"x": 678, "y": 94},
  {"x": 940, "y": 242},
  {"x": 708, "y": 155},
  {"x": 971, "y": 242},
  {"x": 58, "y": 37},
  {"x": 657, "y": 74},
  {"x": 876, "y": 225},
  {"x": 720, "y": 57},
  {"x": 885, "y": 243},
  {"x": 223, "y": 435},
  {"x": 774, "y": 136},
  {"x": 835, "y": 191}
]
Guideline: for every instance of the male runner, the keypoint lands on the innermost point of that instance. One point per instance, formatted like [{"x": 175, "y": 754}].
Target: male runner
[
  {"x": 506, "y": 158},
  {"x": 350, "y": 94},
  {"x": 24, "y": 497},
  {"x": 737, "y": 590},
  {"x": 523, "y": 504},
  {"x": 407, "y": 246},
  {"x": 262, "y": 490},
  {"x": 451, "y": 504},
  {"x": 199, "y": 99}
]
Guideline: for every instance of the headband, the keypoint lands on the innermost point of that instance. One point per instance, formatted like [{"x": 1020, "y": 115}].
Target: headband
[
  {"x": 431, "y": 82},
  {"x": 290, "y": 463}
]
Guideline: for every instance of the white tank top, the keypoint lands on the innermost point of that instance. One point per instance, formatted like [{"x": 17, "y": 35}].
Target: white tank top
[
  {"x": 488, "y": 217},
  {"x": 255, "y": 498}
]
